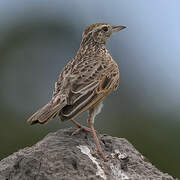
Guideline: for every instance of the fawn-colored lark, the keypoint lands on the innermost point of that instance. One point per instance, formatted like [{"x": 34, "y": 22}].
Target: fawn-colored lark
[{"x": 84, "y": 82}]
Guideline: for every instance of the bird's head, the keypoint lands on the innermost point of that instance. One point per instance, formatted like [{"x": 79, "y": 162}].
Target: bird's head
[{"x": 100, "y": 32}]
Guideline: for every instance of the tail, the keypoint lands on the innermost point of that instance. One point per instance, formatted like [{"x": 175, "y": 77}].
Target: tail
[{"x": 46, "y": 113}]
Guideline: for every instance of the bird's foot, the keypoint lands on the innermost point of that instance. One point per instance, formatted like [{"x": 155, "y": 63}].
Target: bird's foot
[
  {"x": 81, "y": 128},
  {"x": 100, "y": 153}
]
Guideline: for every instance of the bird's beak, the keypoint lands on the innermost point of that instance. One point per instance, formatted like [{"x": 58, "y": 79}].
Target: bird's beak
[{"x": 117, "y": 28}]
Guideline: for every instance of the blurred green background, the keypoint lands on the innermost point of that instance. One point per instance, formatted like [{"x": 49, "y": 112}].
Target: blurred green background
[{"x": 37, "y": 39}]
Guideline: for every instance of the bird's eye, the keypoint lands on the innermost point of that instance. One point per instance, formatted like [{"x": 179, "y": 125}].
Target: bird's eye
[{"x": 105, "y": 28}]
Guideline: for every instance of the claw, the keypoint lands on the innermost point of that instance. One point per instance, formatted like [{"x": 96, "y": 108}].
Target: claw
[
  {"x": 100, "y": 154},
  {"x": 76, "y": 132},
  {"x": 81, "y": 128}
]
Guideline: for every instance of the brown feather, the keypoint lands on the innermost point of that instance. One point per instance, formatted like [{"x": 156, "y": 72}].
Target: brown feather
[
  {"x": 46, "y": 113},
  {"x": 85, "y": 81}
]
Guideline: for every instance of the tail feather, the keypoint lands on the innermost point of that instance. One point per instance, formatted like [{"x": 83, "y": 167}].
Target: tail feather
[{"x": 46, "y": 113}]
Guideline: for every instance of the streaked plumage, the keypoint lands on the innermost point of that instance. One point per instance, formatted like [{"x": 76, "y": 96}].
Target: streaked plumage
[{"x": 86, "y": 80}]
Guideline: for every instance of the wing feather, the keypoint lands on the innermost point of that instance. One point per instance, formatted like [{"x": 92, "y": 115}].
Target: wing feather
[{"x": 86, "y": 83}]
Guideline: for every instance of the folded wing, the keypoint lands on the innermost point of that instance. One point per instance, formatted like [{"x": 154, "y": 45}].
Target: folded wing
[{"x": 91, "y": 81}]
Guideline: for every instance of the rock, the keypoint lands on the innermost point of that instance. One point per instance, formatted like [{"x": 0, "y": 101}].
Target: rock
[{"x": 60, "y": 156}]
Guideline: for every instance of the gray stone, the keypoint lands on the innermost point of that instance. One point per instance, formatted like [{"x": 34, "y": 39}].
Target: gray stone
[{"x": 60, "y": 156}]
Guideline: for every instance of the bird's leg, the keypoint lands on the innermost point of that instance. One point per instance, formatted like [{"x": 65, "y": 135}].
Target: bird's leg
[
  {"x": 92, "y": 113},
  {"x": 99, "y": 150},
  {"x": 80, "y": 127}
]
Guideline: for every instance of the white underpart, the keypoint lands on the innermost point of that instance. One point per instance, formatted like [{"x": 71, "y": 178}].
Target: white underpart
[
  {"x": 86, "y": 150},
  {"x": 96, "y": 111},
  {"x": 99, "y": 108}
]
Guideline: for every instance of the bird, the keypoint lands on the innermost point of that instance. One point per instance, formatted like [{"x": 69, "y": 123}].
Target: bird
[{"x": 84, "y": 82}]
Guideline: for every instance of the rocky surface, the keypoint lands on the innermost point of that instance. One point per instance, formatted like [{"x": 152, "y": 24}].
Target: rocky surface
[{"x": 60, "y": 156}]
